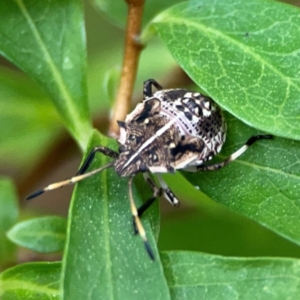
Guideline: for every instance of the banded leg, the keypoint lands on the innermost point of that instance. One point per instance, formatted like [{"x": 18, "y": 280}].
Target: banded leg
[
  {"x": 104, "y": 150},
  {"x": 147, "y": 90},
  {"x": 169, "y": 195},
  {"x": 231, "y": 158},
  {"x": 137, "y": 221},
  {"x": 156, "y": 193},
  {"x": 72, "y": 180}
]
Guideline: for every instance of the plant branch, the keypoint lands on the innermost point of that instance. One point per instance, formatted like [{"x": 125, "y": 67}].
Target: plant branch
[{"x": 130, "y": 64}]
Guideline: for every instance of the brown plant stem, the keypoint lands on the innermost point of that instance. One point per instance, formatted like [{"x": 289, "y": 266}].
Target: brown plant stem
[{"x": 130, "y": 64}]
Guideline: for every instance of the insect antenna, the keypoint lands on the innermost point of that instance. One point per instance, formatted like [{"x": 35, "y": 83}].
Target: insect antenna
[
  {"x": 72, "y": 180},
  {"x": 138, "y": 224}
]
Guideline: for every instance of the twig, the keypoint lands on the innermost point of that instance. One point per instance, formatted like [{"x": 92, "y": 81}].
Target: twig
[{"x": 130, "y": 64}]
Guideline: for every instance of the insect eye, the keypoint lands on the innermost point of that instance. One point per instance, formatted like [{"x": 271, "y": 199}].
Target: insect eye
[{"x": 122, "y": 148}]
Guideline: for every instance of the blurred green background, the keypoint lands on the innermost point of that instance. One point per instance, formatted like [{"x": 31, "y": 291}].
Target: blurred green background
[{"x": 36, "y": 150}]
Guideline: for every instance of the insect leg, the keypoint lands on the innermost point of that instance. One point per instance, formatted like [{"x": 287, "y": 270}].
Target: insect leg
[
  {"x": 104, "y": 150},
  {"x": 156, "y": 193},
  {"x": 72, "y": 180},
  {"x": 139, "y": 226},
  {"x": 169, "y": 195},
  {"x": 147, "y": 90},
  {"x": 233, "y": 156}
]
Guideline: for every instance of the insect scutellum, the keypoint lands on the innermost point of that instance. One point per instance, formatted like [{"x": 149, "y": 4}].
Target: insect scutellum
[{"x": 169, "y": 130}]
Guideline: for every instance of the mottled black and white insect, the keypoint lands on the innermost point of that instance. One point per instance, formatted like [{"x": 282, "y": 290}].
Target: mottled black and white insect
[{"x": 169, "y": 130}]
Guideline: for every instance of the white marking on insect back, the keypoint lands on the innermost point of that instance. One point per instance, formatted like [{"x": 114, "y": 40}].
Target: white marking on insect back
[
  {"x": 188, "y": 95},
  {"x": 138, "y": 109},
  {"x": 185, "y": 125},
  {"x": 206, "y": 104},
  {"x": 150, "y": 140},
  {"x": 206, "y": 113},
  {"x": 122, "y": 138},
  {"x": 158, "y": 169}
]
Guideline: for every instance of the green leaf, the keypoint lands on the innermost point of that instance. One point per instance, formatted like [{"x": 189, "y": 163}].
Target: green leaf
[
  {"x": 44, "y": 234},
  {"x": 262, "y": 184},
  {"x": 211, "y": 228},
  {"x": 202, "y": 276},
  {"x": 28, "y": 117},
  {"x": 103, "y": 256},
  {"x": 48, "y": 43},
  {"x": 8, "y": 216},
  {"x": 116, "y": 11},
  {"x": 31, "y": 281},
  {"x": 245, "y": 55}
]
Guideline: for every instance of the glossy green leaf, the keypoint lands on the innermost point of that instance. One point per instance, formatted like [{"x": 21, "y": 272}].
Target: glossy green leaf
[
  {"x": 102, "y": 255},
  {"x": 44, "y": 234},
  {"x": 47, "y": 41},
  {"x": 116, "y": 11},
  {"x": 262, "y": 184},
  {"x": 31, "y": 281},
  {"x": 8, "y": 216},
  {"x": 202, "y": 276},
  {"x": 245, "y": 55}
]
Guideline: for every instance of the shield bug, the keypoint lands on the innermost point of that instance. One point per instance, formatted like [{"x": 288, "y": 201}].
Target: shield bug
[{"x": 169, "y": 130}]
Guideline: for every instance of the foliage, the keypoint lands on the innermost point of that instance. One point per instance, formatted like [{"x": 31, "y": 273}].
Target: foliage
[
  {"x": 8, "y": 216},
  {"x": 246, "y": 57}
]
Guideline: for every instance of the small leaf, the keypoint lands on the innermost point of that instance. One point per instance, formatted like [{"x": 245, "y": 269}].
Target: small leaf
[
  {"x": 103, "y": 256},
  {"x": 116, "y": 11},
  {"x": 262, "y": 184},
  {"x": 8, "y": 216},
  {"x": 245, "y": 55},
  {"x": 48, "y": 43},
  {"x": 202, "y": 276},
  {"x": 31, "y": 281},
  {"x": 45, "y": 234}
]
